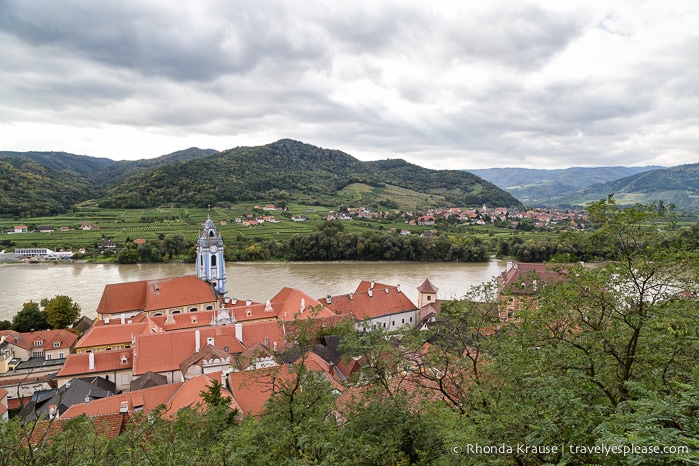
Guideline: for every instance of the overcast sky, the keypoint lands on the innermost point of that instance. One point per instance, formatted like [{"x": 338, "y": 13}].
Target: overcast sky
[{"x": 461, "y": 84}]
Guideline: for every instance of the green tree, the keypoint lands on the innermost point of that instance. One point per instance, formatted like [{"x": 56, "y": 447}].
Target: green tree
[
  {"x": 31, "y": 317},
  {"x": 61, "y": 311}
]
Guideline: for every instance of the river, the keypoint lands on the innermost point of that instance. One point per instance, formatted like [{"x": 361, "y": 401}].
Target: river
[{"x": 259, "y": 281}]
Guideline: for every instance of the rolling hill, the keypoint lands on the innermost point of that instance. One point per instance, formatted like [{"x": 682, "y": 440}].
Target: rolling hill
[
  {"x": 675, "y": 185},
  {"x": 47, "y": 183},
  {"x": 545, "y": 187}
]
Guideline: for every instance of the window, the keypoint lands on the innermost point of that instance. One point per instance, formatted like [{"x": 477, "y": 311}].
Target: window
[
  {"x": 213, "y": 261},
  {"x": 38, "y": 342},
  {"x": 209, "y": 307},
  {"x": 429, "y": 298},
  {"x": 157, "y": 314},
  {"x": 49, "y": 357},
  {"x": 61, "y": 355},
  {"x": 267, "y": 342},
  {"x": 175, "y": 312},
  {"x": 57, "y": 344},
  {"x": 38, "y": 354},
  {"x": 193, "y": 309}
]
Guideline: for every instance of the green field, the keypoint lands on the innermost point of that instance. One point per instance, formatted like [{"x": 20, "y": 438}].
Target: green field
[{"x": 120, "y": 225}]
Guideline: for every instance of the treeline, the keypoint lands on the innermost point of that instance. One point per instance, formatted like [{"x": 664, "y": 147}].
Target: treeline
[{"x": 331, "y": 243}]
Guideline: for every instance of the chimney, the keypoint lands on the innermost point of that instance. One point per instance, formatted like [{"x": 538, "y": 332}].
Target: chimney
[
  {"x": 239, "y": 331},
  {"x": 124, "y": 407},
  {"x": 248, "y": 302},
  {"x": 386, "y": 290},
  {"x": 106, "y": 320},
  {"x": 234, "y": 301},
  {"x": 210, "y": 341},
  {"x": 351, "y": 296},
  {"x": 123, "y": 319},
  {"x": 371, "y": 286},
  {"x": 197, "y": 341},
  {"x": 371, "y": 292},
  {"x": 398, "y": 288},
  {"x": 329, "y": 299},
  {"x": 509, "y": 266},
  {"x": 268, "y": 306},
  {"x": 91, "y": 361},
  {"x": 303, "y": 305}
]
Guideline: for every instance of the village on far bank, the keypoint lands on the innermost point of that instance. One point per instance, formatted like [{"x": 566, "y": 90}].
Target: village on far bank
[
  {"x": 161, "y": 342},
  {"x": 102, "y": 238}
]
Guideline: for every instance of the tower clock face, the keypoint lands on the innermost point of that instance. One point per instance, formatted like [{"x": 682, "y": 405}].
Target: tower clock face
[{"x": 212, "y": 248}]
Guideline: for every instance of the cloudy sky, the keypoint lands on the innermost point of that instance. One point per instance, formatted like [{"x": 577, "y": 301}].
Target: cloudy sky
[{"x": 443, "y": 84}]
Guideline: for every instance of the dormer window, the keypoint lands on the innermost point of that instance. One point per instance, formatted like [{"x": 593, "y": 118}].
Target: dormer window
[
  {"x": 57, "y": 344},
  {"x": 38, "y": 342}
]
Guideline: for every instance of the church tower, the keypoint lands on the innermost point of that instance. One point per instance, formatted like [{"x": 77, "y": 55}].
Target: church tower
[{"x": 211, "y": 266}]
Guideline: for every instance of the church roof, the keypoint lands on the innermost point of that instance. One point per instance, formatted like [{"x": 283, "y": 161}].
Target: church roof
[{"x": 152, "y": 295}]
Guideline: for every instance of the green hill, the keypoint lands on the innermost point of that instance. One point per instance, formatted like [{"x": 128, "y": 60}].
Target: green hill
[
  {"x": 291, "y": 170},
  {"x": 543, "y": 187},
  {"x": 45, "y": 183},
  {"x": 676, "y": 185}
]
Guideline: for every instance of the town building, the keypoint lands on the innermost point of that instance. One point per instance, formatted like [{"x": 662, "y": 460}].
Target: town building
[{"x": 519, "y": 283}]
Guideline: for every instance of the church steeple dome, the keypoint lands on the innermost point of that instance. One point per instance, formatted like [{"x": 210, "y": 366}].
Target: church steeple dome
[{"x": 211, "y": 265}]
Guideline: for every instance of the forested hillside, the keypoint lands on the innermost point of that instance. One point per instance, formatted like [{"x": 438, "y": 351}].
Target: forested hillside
[
  {"x": 47, "y": 186},
  {"x": 289, "y": 170}
]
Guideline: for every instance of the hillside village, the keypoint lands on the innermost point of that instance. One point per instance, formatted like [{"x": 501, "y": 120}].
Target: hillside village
[{"x": 162, "y": 341}]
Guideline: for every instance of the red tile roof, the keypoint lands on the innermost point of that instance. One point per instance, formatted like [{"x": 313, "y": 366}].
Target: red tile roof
[
  {"x": 376, "y": 302},
  {"x": 174, "y": 396},
  {"x": 520, "y": 277},
  {"x": 145, "y": 400},
  {"x": 252, "y": 389},
  {"x": 152, "y": 295},
  {"x": 111, "y": 334},
  {"x": 109, "y": 425},
  {"x": 26, "y": 340},
  {"x": 258, "y": 332},
  {"x": 105, "y": 361},
  {"x": 286, "y": 305},
  {"x": 163, "y": 352}
]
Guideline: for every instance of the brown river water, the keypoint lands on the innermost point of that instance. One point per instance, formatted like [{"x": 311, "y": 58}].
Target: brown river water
[{"x": 258, "y": 281}]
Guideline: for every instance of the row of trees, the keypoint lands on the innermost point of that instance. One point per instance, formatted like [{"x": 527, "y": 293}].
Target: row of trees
[{"x": 606, "y": 358}]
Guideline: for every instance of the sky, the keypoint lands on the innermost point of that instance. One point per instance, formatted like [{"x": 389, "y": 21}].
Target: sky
[{"x": 442, "y": 84}]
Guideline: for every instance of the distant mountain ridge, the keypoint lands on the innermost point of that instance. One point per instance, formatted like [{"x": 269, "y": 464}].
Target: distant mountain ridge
[
  {"x": 546, "y": 187},
  {"x": 675, "y": 185},
  {"x": 48, "y": 183}
]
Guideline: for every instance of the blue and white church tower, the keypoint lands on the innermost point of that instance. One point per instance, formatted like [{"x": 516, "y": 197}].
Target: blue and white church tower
[{"x": 211, "y": 266}]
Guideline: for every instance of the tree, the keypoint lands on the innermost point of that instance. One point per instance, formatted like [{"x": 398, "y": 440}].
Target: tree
[
  {"x": 607, "y": 355},
  {"x": 61, "y": 311},
  {"x": 31, "y": 317}
]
